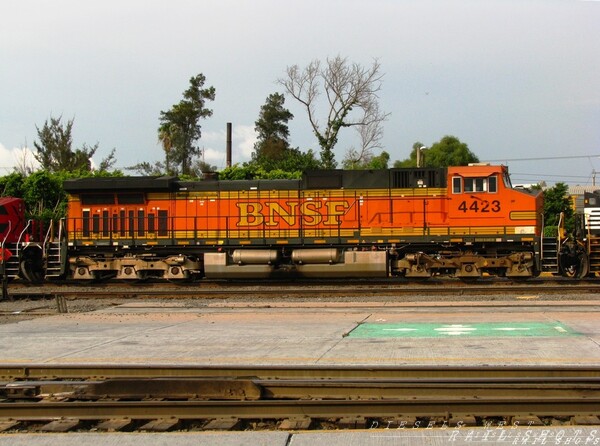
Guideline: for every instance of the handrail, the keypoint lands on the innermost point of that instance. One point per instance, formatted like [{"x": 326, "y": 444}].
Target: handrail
[
  {"x": 60, "y": 228},
  {"x": 21, "y": 234},
  {"x": 558, "y": 232},
  {"x": 47, "y": 238},
  {"x": 589, "y": 232},
  {"x": 542, "y": 237}
]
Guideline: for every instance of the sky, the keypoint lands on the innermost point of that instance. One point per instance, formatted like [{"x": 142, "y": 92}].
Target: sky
[{"x": 518, "y": 81}]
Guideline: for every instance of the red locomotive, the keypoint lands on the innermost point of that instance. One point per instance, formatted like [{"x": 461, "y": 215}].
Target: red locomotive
[{"x": 419, "y": 222}]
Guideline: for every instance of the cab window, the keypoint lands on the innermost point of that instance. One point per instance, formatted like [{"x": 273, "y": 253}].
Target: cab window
[
  {"x": 456, "y": 185},
  {"x": 475, "y": 184}
]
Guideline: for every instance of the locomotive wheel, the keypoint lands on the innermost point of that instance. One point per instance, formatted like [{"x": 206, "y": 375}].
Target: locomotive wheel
[
  {"x": 31, "y": 272},
  {"x": 575, "y": 266}
]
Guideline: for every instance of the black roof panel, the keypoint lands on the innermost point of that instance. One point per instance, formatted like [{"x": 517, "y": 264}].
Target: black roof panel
[{"x": 122, "y": 184}]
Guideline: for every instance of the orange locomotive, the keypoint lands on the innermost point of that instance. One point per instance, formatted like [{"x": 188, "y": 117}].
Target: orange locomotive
[{"x": 460, "y": 221}]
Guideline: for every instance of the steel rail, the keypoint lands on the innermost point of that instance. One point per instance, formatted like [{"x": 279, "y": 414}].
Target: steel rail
[
  {"x": 301, "y": 392},
  {"x": 311, "y": 292},
  {"x": 383, "y": 287},
  {"x": 359, "y": 389},
  {"x": 124, "y": 371},
  {"x": 511, "y": 405}
]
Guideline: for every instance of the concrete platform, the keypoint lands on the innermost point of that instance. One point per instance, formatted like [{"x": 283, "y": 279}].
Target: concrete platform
[
  {"x": 313, "y": 333},
  {"x": 469, "y": 334},
  {"x": 376, "y": 437}
]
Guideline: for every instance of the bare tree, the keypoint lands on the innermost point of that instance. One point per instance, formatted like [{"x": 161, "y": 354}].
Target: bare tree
[
  {"x": 351, "y": 92},
  {"x": 370, "y": 135},
  {"x": 25, "y": 162}
]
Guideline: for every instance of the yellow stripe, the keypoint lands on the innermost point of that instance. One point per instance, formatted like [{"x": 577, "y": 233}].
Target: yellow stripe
[
  {"x": 319, "y": 194},
  {"x": 160, "y": 196},
  {"x": 419, "y": 192},
  {"x": 522, "y": 215},
  {"x": 246, "y": 236}
]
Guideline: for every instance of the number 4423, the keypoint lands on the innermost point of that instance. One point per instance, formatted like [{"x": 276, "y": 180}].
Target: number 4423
[{"x": 480, "y": 206}]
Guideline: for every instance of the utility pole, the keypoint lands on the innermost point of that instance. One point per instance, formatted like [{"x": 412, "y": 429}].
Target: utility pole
[{"x": 421, "y": 156}]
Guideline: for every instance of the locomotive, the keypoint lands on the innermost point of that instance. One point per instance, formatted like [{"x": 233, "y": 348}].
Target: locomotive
[{"x": 463, "y": 221}]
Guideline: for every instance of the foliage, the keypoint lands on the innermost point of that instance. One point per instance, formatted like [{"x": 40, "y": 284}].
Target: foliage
[
  {"x": 179, "y": 129},
  {"x": 379, "y": 162},
  {"x": 551, "y": 231},
  {"x": 200, "y": 168},
  {"x": 55, "y": 153},
  {"x": 273, "y": 157},
  {"x": 294, "y": 161},
  {"x": 254, "y": 172},
  {"x": 42, "y": 191},
  {"x": 351, "y": 91},
  {"x": 12, "y": 185},
  {"x": 557, "y": 201},
  {"x": 197, "y": 171},
  {"x": 44, "y": 196},
  {"x": 374, "y": 162},
  {"x": 449, "y": 151},
  {"x": 148, "y": 169}
]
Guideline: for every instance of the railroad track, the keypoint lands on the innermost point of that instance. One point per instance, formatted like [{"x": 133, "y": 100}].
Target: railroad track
[
  {"x": 301, "y": 397},
  {"x": 329, "y": 289}
]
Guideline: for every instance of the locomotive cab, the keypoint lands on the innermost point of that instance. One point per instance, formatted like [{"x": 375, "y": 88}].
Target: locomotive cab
[
  {"x": 484, "y": 211},
  {"x": 482, "y": 197}
]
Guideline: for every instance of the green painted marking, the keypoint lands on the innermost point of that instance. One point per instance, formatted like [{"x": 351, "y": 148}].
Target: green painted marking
[{"x": 453, "y": 330}]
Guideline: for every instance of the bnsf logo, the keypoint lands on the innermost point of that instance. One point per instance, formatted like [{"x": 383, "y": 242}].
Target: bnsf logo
[{"x": 310, "y": 213}]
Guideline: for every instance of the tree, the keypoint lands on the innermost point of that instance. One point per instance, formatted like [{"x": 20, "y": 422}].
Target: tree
[
  {"x": 557, "y": 201},
  {"x": 55, "y": 153},
  {"x": 273, "y": 157},
  {"x": 373, "y": 162},
  {"x": 12, "y": 185},
  {"x": 272, "y": 129},
  {"x": 200, "y": 167},
  {"x": 26, "y": 163},
  {"x": 179, "y": 129},
  {"x": 370, "y": 138},
  {"x": 449, "y": 151},
  {"x": 148, "y": 169},
  {"x": 44, "y": 196},
  {"x": 379, "y": 162},
  {"x": 351, "y": 92}
]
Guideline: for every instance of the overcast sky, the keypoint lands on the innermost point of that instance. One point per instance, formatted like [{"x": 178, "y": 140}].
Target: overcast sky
[{"x": 513, "y": 79}]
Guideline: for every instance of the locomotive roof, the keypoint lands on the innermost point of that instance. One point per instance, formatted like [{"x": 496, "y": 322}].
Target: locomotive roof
[
  {"x": 94, "y": 184},
  {"x": 315, "y": 179},
  {"x": 216, "y": 185},
  {"x": 7, "y": 200}
]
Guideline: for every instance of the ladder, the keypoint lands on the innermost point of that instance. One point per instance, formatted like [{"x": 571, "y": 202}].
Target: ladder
[
  {"x": 550, "y": 255},
  {"x": 11, "y": 266},
  {"x": 55, "y": 251},
  {"x": 594, "y": 253}
]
